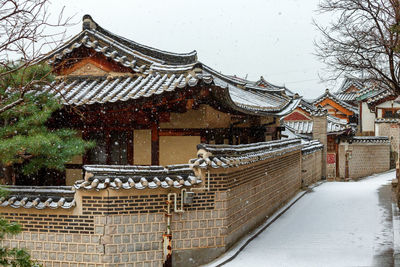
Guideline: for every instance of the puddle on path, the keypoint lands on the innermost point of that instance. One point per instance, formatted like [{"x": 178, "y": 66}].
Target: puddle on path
[{"x": 384, "y": 241}]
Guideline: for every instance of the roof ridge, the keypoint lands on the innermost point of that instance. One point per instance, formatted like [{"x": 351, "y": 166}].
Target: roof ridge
[{"x": 169, "y": 57}]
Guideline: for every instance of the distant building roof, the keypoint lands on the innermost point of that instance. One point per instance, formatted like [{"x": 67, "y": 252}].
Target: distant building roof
[
  {"x": 352, "y": 81},
  {"x": 334, "y": 126},
  {"x": 328, "y": 95}
]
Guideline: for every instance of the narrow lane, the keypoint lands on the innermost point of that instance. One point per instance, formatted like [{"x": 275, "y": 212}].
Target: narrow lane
[{"x": 337, "y": 224}]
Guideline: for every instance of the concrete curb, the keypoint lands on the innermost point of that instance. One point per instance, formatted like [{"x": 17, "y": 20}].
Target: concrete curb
[{"x": 235, "y": 250}]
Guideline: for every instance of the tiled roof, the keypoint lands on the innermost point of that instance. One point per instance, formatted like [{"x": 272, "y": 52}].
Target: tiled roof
[
  {"x": 39, "y": 197},
  {"x": 311, "y": 146},
  {"x": 328, "y": 95},
  {"x": 225, "y": 156},
  {"x": 100, "y": 177},
  {"x": 387, "y": 120},
  {"x": 120, "y": 49},
  {"x": 368, "y": 91},
  {"x": 91, "y": 90},
  {"x": 348, "y": 97},
  {"x": 369, "y": 139},
  {"x": 334, "y": 125},
  {"x": 156, "y": 72},
  {"x": 319, "y": 112},
  {"x": 301, "y": 127},
  {"x": 380, "y": 95},
  {"x": 307, "y": 106},
  {"x": 348, "y": 81}
]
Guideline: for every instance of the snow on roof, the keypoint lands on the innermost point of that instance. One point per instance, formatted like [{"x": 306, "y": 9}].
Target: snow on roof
[
  {"x": 328, "y": 95},
  {"x": 350, "y": 81},
  {"x": 225, "y": 156},
  {"x": 369, "y": 91},
  {"x": 100, "y": 177},
  {"x": 348, "y": 97},
  {"x": 387, "y": 120},
  {"x": 157, "y": 72},
  {"x": 39, "y": 197},
  {"x": 369, "y": 139},
  {"x": 311, "y": 146},
  {"x": 334, "y": 126}
]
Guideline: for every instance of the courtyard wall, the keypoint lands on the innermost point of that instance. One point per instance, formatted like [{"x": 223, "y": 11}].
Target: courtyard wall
[{"x": 112, "y": 226}]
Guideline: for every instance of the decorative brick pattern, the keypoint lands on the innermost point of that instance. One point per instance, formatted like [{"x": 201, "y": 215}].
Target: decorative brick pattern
[
  {"x": 137, "y": 204},
  {"x": 53, "y": 223},
  {"x": 117, "y": 205}
]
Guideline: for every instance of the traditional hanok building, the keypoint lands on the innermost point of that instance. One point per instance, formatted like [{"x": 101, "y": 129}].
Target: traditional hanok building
[
  {"x": 337, "y": 107},
  {"x": 184, "y": 165},
  {"x": 145, "y": 106},
  {"x": 301, "y": 123},
  {"x": 378, "y": 110}
]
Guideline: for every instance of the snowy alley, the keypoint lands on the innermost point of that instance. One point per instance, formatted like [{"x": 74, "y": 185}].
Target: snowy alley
[{"x": 337, "y": 224}]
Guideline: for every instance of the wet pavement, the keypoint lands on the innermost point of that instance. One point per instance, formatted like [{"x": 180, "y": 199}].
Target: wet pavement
[{"x": 383, "y": 256}]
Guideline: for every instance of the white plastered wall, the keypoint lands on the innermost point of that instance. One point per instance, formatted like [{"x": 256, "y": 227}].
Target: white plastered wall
[{"x": 368, "y": 119}]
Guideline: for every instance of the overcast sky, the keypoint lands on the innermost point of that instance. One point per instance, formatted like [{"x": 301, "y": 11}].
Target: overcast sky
[{"x": 268, "y": 38}]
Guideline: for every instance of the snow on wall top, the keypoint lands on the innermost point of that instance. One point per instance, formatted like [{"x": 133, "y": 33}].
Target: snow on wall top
[
  {"x": 39, "y": 197},
  {"x": 311, "y": 146},
  {"x": 99, "y": 177},
  {"x": 225, "y": 156}
]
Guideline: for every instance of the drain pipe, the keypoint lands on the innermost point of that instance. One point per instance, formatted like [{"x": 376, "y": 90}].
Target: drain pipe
[
  {"x": 207, "y": 187},
  {"x": 167, "y": 238}
]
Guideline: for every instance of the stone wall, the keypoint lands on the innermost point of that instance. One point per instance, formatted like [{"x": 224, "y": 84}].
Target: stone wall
[
  {"x": 311, "y": 167},
  {"x": 125, "y": 227},
  {"x": 363, "y": 158}
]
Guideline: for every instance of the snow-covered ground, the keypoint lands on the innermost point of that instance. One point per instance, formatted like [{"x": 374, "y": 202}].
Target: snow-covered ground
[{"x": 338, "y": 224}]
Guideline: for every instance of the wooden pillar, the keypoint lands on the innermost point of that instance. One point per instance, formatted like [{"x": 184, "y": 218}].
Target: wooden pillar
[{"x": 155, "y": 144}]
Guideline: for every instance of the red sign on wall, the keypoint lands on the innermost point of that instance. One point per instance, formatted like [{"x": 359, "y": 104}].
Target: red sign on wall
[{"x": 330, "y": 158}]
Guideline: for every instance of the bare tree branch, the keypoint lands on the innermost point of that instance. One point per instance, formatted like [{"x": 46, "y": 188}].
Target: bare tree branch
[
  {"x": 26, "y": 30},
  {"x": 363, "y": 40}
]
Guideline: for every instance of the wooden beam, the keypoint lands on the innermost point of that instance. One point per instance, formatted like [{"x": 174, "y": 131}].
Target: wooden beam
[{"x": 179, "y": 132}]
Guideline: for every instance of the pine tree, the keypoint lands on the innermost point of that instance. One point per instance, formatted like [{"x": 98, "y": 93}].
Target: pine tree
[{"x": 25, "y": 139}]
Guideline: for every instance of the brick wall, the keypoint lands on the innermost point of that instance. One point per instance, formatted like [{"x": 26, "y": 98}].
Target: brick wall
[
  {"x": 311, "y": 167},
  {"x": 365, "y": 159},
  {"x": 57, "y": 237},
  {"x": 125, "y": 227}
]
